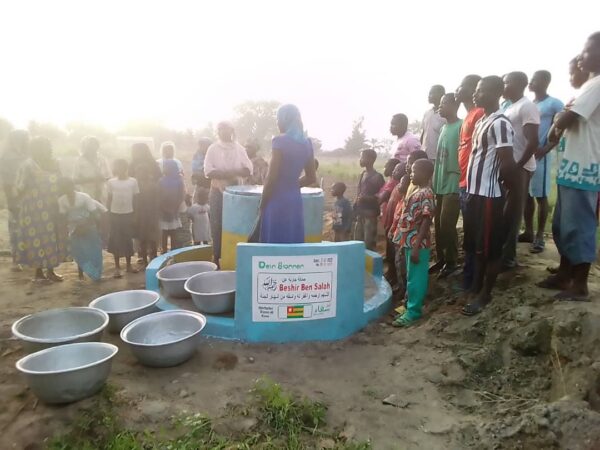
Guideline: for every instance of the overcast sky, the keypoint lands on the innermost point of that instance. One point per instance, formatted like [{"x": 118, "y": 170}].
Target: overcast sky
[{"x": 188, "y": 63}]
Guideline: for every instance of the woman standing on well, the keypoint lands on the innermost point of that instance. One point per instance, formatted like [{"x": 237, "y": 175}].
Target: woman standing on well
[{"x": 282, "y": 215}]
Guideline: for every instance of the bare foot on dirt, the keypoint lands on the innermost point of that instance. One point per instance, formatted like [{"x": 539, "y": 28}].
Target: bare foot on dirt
[
  {"x": 554, "y": 282},
  {"x": 131, "y": 269}
]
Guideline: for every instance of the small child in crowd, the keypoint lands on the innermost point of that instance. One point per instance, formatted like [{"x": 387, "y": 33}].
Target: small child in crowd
[
  {"x": 183, "y": 235},
  {"x": 402, "y": 191},
  {"x": 147, "y": 213},
  {"x": 414, "y": 237},
  {"x": 171, "y": 194},
  {"x": 342, "y": 213},
  {"x": 122, "y": 192},
  {"x": 82, "y": 214},
  {"x": 198, "y": 214},
  {"x": 384, "y": 195},
  {"x": 366, "y": 206}
]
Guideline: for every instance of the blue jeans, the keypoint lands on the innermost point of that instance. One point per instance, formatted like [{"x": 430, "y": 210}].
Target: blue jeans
[{"x": 574, "y": 224}]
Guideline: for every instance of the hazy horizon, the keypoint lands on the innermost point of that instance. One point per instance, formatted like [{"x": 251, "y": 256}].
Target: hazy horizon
[{"x": 186, "y": 64}]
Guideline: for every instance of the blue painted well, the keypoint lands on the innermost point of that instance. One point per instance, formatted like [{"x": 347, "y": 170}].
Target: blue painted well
[{"x": 353, "y": 311}]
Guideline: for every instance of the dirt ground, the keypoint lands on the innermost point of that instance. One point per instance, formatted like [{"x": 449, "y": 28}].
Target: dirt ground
[{"x": 524, "y": 374}]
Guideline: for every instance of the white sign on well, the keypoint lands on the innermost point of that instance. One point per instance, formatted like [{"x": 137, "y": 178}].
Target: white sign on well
[{"x": 290, "y": 288}]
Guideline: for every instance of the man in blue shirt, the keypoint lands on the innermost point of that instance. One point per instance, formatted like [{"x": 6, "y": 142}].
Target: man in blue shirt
[{"x": 539, "y": 187}]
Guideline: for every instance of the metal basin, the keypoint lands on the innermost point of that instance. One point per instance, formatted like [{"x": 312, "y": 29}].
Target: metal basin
[
  {"x": 126, "y": 306},
  {"x": 68, "y": 373},
  {"x": 164, "y": 339},
  {"x": 60, "y": 326},
  {"x": 173, "y": 277},
  {"x": 213, "y": 292}
]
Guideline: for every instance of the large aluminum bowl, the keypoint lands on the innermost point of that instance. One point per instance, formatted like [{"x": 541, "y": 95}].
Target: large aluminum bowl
[
  {"x": 213, "y": 292},
  {"x": 60, "y": 326},
  {"x": 164, "y": 339},
  {"x": 68, "y": 373},
  {"x": 173, "y": 277},
  {"x": 126, "y": 306}
]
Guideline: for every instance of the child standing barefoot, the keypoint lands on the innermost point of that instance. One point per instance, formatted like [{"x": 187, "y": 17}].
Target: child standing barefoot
[
  {"x": 122, "y": 191},
  {"x": 342, "y": 214},
  {"x": 171, "y": 194},
  {"x": 414, "y": 237},
  {"x": 147, "y": 211},
  {"x": 366, "y": 206},
  {"x": 82, "y": 213},
  {"x": 198, "y": 213}
]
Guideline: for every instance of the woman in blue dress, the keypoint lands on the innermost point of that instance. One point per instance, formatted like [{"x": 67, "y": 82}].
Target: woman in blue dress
[{"x": 282, "y": 215}]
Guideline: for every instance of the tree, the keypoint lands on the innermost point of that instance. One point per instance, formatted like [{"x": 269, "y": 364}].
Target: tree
[
  {"x": 257, "y": 120},
  {"x": 358, "y": 139}
]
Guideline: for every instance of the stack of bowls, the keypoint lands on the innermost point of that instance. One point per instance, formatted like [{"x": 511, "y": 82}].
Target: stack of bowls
[
  {"x": 126, "y": 306},
  {"x": 173, "y": 277}
]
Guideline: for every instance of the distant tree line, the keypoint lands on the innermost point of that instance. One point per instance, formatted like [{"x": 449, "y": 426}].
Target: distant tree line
[{"x": 253, "y": 120}]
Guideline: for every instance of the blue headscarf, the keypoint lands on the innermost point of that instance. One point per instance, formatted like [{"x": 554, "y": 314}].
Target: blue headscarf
[{"x": 290, "y": 121}]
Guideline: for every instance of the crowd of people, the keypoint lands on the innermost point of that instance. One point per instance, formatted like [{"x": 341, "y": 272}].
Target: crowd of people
[
  {"x": 138, "y": 206},
  {"x": 493, "y": 167}
]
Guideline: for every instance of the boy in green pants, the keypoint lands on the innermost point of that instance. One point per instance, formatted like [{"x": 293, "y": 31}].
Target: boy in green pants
[{"x": 414, "y": 236}]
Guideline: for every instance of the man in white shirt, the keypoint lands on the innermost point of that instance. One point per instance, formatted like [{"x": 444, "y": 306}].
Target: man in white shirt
[
  {"x": 525, "y": 119},
  {"x": 433, "y": 122}
]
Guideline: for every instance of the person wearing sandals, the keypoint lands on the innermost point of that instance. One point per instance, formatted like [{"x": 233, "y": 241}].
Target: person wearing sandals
[
  {"x": 415, "y": 237},
  {"x": 539, "y": 186},
  {"x": 525, "y": 119},
  {"x": 577, "y": 78},
  {"x": 122, "y": 193},
  {"x": 491, "y": 170},
  {"x": 575, "y": 219},
  {"x": 41, "y": 241},
  {"x": 445, "y": 185}
]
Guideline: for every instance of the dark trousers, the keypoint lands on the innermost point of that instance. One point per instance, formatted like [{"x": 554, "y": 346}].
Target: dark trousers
[
  {"x": 390, "y": 259},
  {"x": 469, "y": 264},
  {"x": 515, "y": 205},
  {"x": 446, "y": 238},
  {"x": 215, "y": 202}
]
